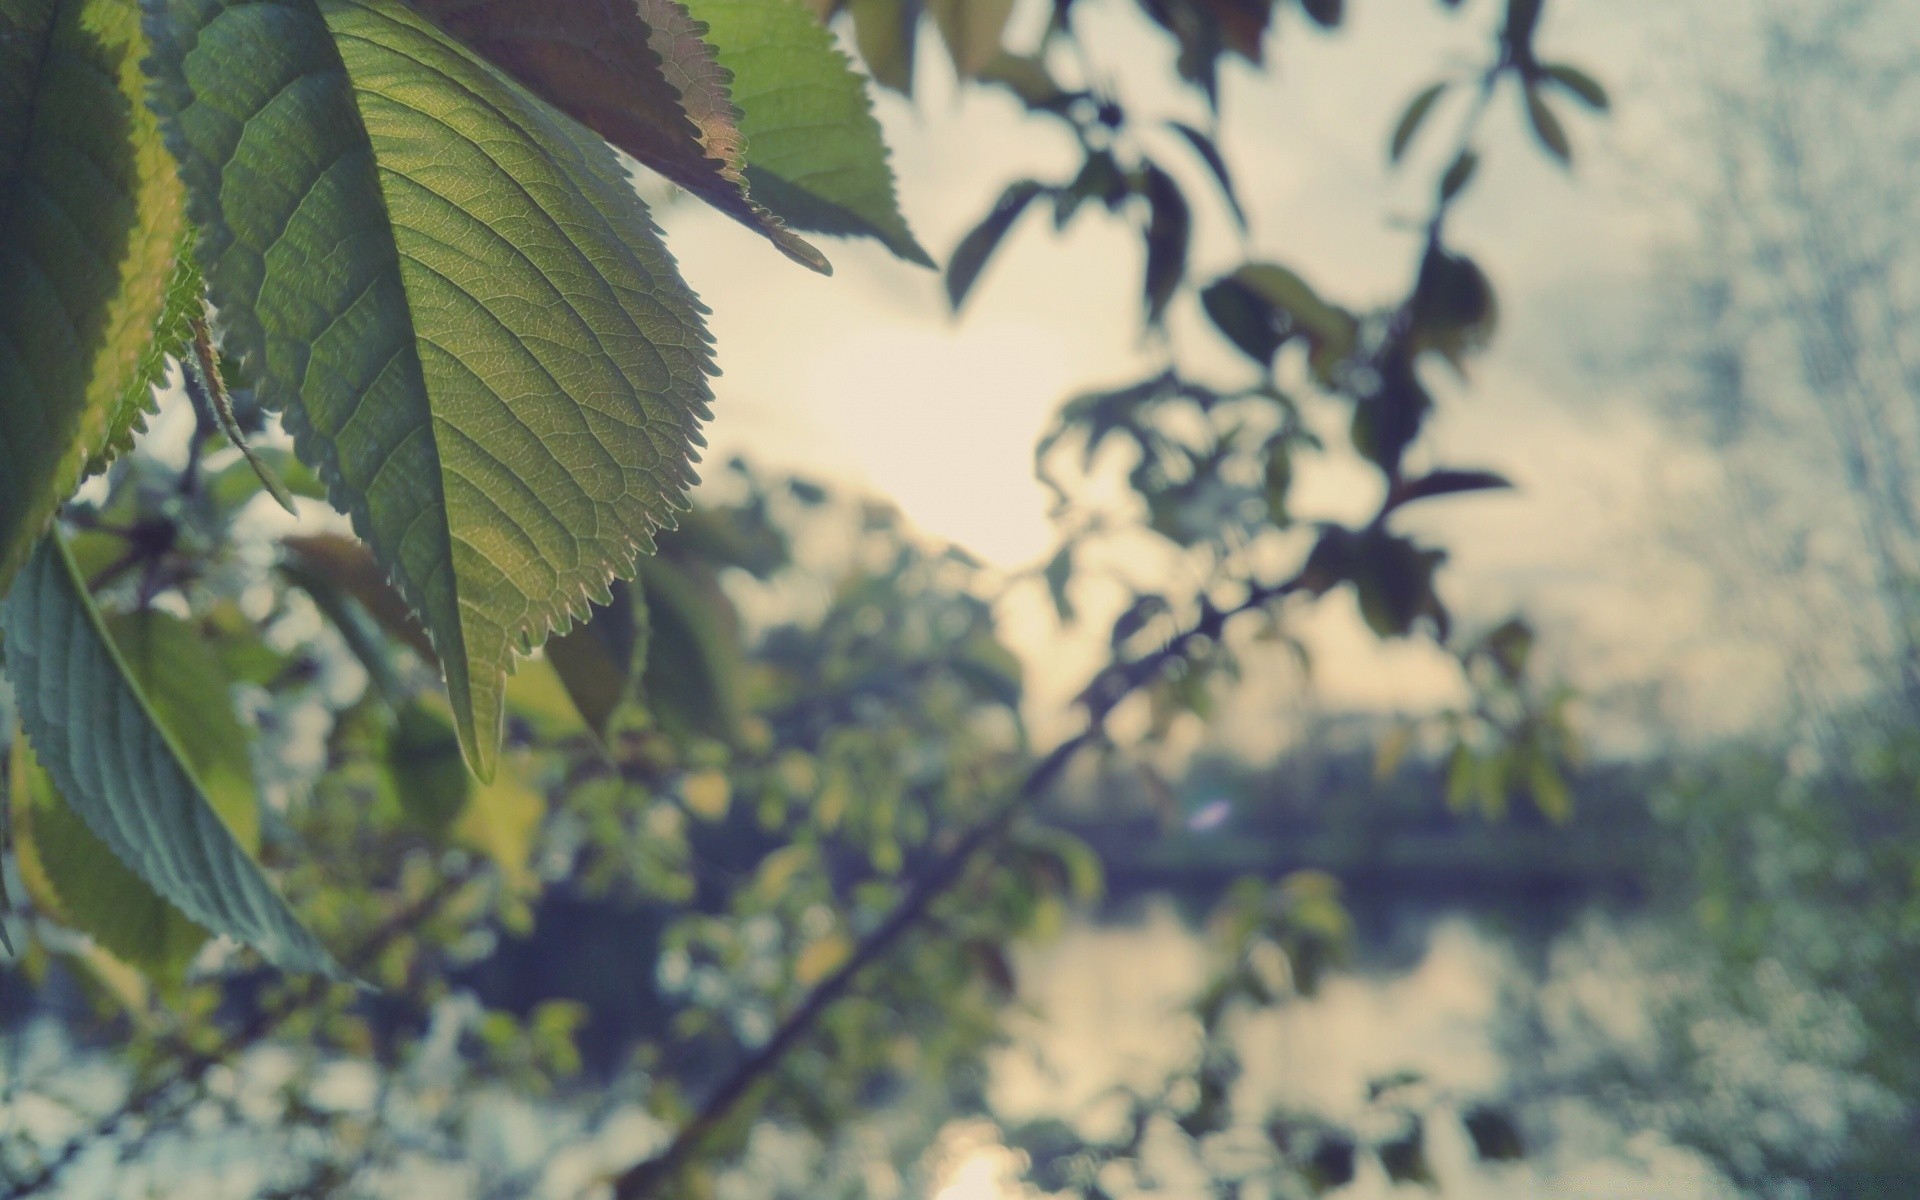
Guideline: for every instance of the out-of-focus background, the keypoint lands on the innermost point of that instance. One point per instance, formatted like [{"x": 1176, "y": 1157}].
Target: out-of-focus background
[{"x": 1677, "y": 960}]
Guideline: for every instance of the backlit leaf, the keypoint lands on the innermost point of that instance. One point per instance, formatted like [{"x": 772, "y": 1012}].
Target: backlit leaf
[
  {"x": 92, "y": 221},
  {"x": 814, "y": 153},
  {"x": 454, "y": 295},
  {"x": 638, "y": 73}
]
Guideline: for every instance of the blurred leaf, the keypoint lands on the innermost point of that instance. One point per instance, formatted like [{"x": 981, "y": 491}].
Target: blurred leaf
[
  {"x": 1325, "y": 13},
  {"x": 1027, "y": 77},
  {"x": 1210, "y": 154},
  {"x": 1447, "y": 483},
  {"x": 1394, "y": 579},
  {"x": 347, "y": 564},
  {"x": 1458, "y": 175},
  {"x": 1496, "y": 1137},
  {"x": 1547, "y": 127},
  {"x": 1100, "y": 178},
  {"x": 820, "y": 958},
  {"x": 707, "y": 794},
  {"x": 970, "y": 257},
  {"x": 1245, "y": 319},
  {"x": 1330, "y": 1165},
  {"x": 600, "y": 660},
  {"x": 429, "y": 778},
  {"x": 1405, "y": 1157},
  {"x": 1392, "y": 749},
  {"x": 972, "y": 30},
  {"x": 694, "y": 666},
  {"x": 1136, "y": 616},
  {"x": 537, "y": 696},
  {"x": 502, "y": 821},
  {"x": 1410, "y": 120},
  {"x": 884, "y": 32},
  {"x": 1169, "y": 228},
  {"x": 1059, "y": 573},
  {"x": 1581, "y": 84},
  {"x": 1388, "y": 419},
  {"x": 1454, "y": 307},
  {"x": 1278, "y": 476}
]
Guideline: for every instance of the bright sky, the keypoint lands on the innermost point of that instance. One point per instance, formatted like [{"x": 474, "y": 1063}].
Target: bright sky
[{"x": 864, "y": 378}]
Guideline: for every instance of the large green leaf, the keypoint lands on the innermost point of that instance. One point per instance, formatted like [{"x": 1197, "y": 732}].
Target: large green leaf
[
  {"x": 91, "y": 223},
  {"x": 640, "y": 74},
  {"x": 125, "y": 773},
  {"x": 814, "y": 152},
  {"x": 71, "y": 871},
  {"x": 460, "y": 304}
]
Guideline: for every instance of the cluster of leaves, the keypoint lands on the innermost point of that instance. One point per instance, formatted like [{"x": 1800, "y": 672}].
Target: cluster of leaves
[
  {"x": 1212, "y": 467},
  {"x": 751, "y": 800},
  {"x": 421, "y": 251}
]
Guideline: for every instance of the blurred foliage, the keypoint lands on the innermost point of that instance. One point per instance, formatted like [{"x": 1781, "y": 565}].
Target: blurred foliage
[{"x": 680, "y": 898}]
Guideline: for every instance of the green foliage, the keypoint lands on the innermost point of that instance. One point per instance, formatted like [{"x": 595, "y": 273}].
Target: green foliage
[{"x": 440, "y": 349}]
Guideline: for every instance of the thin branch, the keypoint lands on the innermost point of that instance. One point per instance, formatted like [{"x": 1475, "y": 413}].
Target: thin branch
[{"x": 1108, "y": 689}]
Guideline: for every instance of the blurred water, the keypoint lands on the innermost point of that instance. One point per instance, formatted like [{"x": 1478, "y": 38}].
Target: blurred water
[{"x": 1547, "y": 1031}]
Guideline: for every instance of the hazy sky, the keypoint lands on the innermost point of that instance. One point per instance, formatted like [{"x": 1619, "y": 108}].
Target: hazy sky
[{"x": 864, "y": 378}]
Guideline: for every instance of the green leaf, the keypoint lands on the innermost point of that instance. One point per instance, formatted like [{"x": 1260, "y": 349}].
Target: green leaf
[
  {"x": 91, "y": 224},
  {"x": 126, "y": 774},
  {"x": 693, "y": 660},
  {"x": 600, "y": 660},
  {"x": 74, "y": 874},
  {"x": 971, "y": 255},
  {"x": 814, "y": 153},
  {"x": 1547, "y": 127},
  {"x": 640, "y": 74},
  {"x": 454, "y": 295},
  {"x": 430, "y": 784},
  {"x": 1581, "y": 84},
  {"x": 75, "y": 880},
  {"x": 1416, "y": 112}
]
